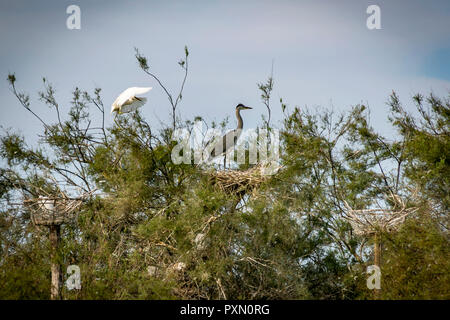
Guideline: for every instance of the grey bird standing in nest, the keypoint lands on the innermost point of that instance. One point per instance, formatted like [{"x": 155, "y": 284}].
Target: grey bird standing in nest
[{"x": 229, "y": 140}]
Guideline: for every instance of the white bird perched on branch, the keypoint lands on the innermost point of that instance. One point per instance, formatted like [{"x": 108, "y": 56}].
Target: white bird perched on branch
[{"x": 127, "y": 100}]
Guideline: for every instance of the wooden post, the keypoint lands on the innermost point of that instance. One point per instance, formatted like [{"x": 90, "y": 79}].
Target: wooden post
[
  {"x": 55, "y": 235},
  {"x": 377, "y": 260}
]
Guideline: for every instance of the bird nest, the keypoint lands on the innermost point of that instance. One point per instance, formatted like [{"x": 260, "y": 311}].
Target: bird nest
[
  {"x": 367, "y": 222},
  {"x": 241, "y": 182},
  {"x": 53, "y": 210}
]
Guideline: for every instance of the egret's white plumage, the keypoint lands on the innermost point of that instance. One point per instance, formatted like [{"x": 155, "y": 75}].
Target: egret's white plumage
[
  {"x": 127, "y": 100},
  {"x": 46, "y": 203}
]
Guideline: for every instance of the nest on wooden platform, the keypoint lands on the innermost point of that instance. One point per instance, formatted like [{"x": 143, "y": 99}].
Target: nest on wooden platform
[
  {"x": 51, "y": 210},
  {"x": 367, "y": 222},
  {"x": 241, "y": 182}
]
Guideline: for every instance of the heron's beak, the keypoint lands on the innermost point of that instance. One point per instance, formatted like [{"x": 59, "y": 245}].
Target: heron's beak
[{"x": 248, "y": 108}]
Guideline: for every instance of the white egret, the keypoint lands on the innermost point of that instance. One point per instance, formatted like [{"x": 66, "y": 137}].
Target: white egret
[
  {"x": 127, "y": 100},
  {"x": 47, "y": 203},
  {"x": 229, "y": 140}
]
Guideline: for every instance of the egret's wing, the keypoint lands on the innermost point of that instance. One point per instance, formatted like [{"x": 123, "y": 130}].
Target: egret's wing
[
  {"x": 140, "y": 90},
  {"x": 124, "y": 96},
  {"x": 127, "y": 94},
  {"x": 137, "y": 103},
  {"x": 113, "y": 107}
]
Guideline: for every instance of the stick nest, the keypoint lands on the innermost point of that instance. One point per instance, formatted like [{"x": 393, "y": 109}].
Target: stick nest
[
  {"x": 53, "y": 210},
  {"x": 368, "y": 222},
  {"x": 240, "y": 182}
]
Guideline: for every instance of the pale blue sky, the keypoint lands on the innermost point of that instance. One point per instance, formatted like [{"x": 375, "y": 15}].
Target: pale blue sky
[{"x": 323, "y": 54}]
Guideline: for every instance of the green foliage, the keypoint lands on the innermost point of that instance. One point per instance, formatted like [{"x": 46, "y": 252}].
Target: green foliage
[
  {"x": 156, "y": 230},
  {"x": 416, "y": 262},
  {"x": 24, "y": 264}
]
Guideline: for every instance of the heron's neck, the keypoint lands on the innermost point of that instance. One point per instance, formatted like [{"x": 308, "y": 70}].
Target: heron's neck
[{"x": 239, "y": 119}]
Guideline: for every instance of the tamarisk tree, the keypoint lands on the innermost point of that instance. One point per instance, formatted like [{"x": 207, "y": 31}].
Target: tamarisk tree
[{"x": 152, "y": 229}]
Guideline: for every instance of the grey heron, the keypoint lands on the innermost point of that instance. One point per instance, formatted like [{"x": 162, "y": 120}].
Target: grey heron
[{"x": 229, "y": 140}]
